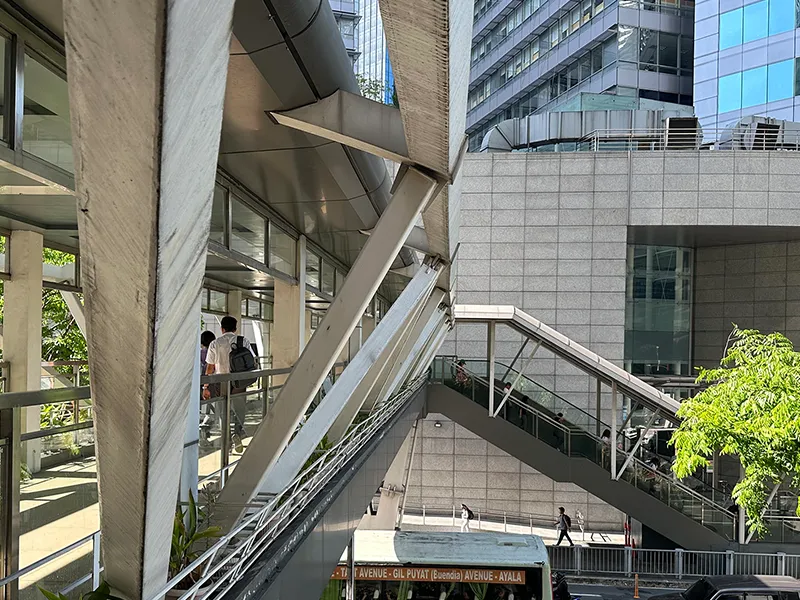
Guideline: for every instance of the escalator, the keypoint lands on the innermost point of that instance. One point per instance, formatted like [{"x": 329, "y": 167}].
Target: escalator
[{"x": 569, "y": 449}]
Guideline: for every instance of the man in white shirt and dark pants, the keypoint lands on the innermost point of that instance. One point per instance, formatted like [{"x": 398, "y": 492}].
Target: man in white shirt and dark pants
[{"x": 218, "y": 361}]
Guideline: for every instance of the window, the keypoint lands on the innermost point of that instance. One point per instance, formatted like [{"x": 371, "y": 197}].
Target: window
[
  {"x": 217, "y": 301},
  {"x": 586, "y": 12},
  {"x": 754, "y": 87},
  {"x": 282, "y": 251},
  {"x": 218, "y": 215},
  {"x": 45, "y": 120},
  {"x": 312, "y": 270},
  {"x": 687, "y": 54},
  {"x": 648, "y": 49},
  {"x": 730, "y": 29},
  {"x": 779, "y": 81},
  {"x": 565, "y": 27},
  {"x": 554, "y": 35},
  {"x": 664, "y": 289},
  {"x": 328, "y": 278},
  {"x": 755, "y": 21},
  {"x": 639, "y": 287},
  {"x": 248, "y": 231},
  {"x": 598, "y": 6},
  {"x": 668, "y": 52},
  {"x": 729, "y": 93},
  {"x": 781, "y": 16},
  {"x": 576, "y": 19}
]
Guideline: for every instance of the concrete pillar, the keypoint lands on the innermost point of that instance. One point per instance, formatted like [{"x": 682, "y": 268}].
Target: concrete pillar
[
  {"x": 22, "y": 330},
  {"x": 286, "y": 328},
  {"x": 235, "y": 306},
  {"x": 367, "y": 327},
  {"x": 146, "y": 87}
]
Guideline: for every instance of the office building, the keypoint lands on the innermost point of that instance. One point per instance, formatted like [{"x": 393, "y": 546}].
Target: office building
[
  {"x": 533, "y": 56},
  {"x": 373, "y": 63},
  {"x": 347, "y": 18},
  {"x": 745, "y": 61}
]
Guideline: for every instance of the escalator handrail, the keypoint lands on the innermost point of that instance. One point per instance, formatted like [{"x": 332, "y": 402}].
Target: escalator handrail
[{"x": 634, "y": 461}]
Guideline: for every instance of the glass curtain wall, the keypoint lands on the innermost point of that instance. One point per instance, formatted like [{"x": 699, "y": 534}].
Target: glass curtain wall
[{"x": 658, "y": 314}]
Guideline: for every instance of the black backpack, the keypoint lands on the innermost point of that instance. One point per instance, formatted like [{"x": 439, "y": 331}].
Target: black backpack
[
  {"x": 470, "y": 514},
  {"x": 241, "y": 360},
  {"x": 568, "y": 521}
]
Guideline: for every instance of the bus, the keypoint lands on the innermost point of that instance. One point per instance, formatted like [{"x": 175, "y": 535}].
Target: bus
[{"x": 423, "y": 565}]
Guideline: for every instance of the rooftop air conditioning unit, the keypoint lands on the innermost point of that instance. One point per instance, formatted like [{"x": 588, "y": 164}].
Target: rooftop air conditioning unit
[{"x": 682, "y": 133}]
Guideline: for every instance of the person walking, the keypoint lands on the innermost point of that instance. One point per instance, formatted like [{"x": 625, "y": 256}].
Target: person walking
[
  {"x": 563, "y": 525},
  {"x": 218, "y": 361},
  {"x": 207, "y": 410},
  {"x": 466, "y": 517}
]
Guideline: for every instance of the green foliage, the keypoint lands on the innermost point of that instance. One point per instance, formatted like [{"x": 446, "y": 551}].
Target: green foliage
[
  {"x": 395, "y": 100},
  {"x": 333, "y": 591},
  {"x": 370, "y": 88},
  {"x": 187, "y": 531},
  {"x": 479, "y": 590},
  {"x": 103, "y": 592},
  {"x": 752, "y": 410}
]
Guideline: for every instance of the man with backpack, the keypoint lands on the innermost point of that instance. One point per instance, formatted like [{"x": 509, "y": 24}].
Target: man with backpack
[
  {"x": 231, "y": 353},
  {"x": 466, "y": 517},
  {"x": 564, "y": 524}
]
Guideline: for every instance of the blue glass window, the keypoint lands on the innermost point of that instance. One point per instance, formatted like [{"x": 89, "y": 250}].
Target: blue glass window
[
  {"x": 754, "y": 87},
  {"x": 730, "y": 29},
  {"x": 755, "y": 21},
  {"x": 781, "y": 16},
  {"x": 729, "y": 96},
  {"x": 780, "y": 80}
]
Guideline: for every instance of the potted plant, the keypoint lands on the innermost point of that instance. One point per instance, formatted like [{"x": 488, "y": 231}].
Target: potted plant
[
  {"x": 190, "y": 526},
  {"x": 103, "y": 592}
]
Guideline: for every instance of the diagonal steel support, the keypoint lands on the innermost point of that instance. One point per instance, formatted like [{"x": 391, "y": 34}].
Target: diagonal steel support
[
  {"x": 507, "y": 393},
  {"x": 430, "y": 351},
  {"x": 364, "y": 369},
  {"x": 412, "y": 192},
  {"x": 636, "y": 446},
  {"x": 516, "y": 357}
]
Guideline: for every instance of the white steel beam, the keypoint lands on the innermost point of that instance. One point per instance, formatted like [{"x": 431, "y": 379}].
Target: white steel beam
[
  {"x": 490, "y": 350},
  {"x": 146, "y": 88},
  {"x": 636, "y": 446},
  {"x": 413, "y": 190},
  {"x": 430, "y": 351},
  {"x": 614, "y": 432},
  {"x": 365, "y": 367},
  {"x": 524, "y": 364},
  {"x": 75, "y": 307}
]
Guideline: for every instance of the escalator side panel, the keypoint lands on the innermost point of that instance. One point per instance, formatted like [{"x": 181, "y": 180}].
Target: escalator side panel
[
  {"x": 588, "y": 475},
  {"x": 299, "y": 563}
]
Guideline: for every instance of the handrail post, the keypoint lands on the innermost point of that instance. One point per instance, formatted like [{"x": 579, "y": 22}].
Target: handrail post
[
  {"x": 505, "y": 523},
  {"x": 628, "y": 561},
  {"x": 454, "y": 515},
  {"x": 225, "y": 434},
  {"x": 95, "y": 560},
  {"x": 423, "y": 514},
  {"x": 729, "y": 562},
  {"x": 781, "y": 563},
  {"x": 679, "y": 562},
  {"x": 578, "y": 559}
]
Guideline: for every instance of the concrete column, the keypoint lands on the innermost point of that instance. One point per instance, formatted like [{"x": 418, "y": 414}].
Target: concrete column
[
  {"x": 22, "y": 330},
  {"x": 146, "y": 87},
  {"x": 303, "y": 325},
  {"x": 235, "y": 306},
  {"x": 286, "y": 328},
  {"x": 367, "y": 327}
]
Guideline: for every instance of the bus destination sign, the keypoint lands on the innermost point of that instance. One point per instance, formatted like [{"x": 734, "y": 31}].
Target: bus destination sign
[{"x": 433, "y": 574}]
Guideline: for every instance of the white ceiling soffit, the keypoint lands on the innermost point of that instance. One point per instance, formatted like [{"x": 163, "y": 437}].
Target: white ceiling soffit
[{"x": 429, "y": 45}]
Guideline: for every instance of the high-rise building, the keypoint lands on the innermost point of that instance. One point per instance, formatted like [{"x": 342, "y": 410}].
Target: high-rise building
[
  {"x": 533, "y": 56},
  {"x": 347, "y": 18},
  {"x": 745, "y": 61},
  {"x": 373, "y": 63}
]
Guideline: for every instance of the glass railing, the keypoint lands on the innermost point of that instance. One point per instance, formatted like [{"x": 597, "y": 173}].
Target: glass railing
[
  {"x": 551, "y": 404},
  {"x": 541, "y": 421}
]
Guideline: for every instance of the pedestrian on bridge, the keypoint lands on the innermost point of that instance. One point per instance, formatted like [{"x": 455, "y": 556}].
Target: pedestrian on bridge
[{"x": 563, "y": 524}]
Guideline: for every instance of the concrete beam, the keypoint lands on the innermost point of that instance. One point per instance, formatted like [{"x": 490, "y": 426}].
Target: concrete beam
[
  {"x": 413, "y": 190},
  {"x": 76, "y": 309},
  {"x": 146, "y": 85}
]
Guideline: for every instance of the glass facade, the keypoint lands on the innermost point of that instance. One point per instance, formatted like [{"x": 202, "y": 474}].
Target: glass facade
[
  {"x": 45, "y": 121},
  {"x": 373, "y": 60},
  {"x": 745, "y": 63},
  {"x": 658, "y": 313},
  {"x": 668, "y": 49}
]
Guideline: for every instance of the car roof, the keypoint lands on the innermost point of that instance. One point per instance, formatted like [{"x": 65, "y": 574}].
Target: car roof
[{"x": 754, "y": 582}]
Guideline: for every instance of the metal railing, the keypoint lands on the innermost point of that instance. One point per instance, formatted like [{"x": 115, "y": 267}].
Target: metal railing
[
  {"x": 678, "y": 564},
  {"x": 744, "y": 137},
  {"x": 587, "y": 445},
  {"x": 223, "y": 563}
]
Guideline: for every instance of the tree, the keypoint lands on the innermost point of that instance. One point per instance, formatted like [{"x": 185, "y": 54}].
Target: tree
[
  {"x": 370, "y": 88},
  {"x": 751, "y": 410}
]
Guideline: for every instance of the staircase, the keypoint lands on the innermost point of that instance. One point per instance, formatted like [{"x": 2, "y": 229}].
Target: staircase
[{"x": 569, "y": 449}]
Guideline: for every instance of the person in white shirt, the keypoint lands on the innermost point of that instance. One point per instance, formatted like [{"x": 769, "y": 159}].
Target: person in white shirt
[
  {"x": 464, "y": 518},
  {"x": 218, "y": 361}
]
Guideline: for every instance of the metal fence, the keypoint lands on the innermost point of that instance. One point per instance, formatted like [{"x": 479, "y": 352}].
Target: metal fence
[{"x": 625, "y": 562}]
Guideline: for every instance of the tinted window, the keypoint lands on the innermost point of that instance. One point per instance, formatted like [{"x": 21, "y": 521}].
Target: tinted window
[
  {"x": 730, "y": 29},
  {"x": 754, "y": 87},
  {"x": 700, "y": 590},
  {"x": 730, "y": 93},
  {"x": 779, "y": 80},
  {"x": 781, "y": 16},
  {"x": 755, "y": 21}
]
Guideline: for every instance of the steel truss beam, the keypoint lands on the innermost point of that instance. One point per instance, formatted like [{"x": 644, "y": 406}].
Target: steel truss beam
[{"x": 413, "y": 190}]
